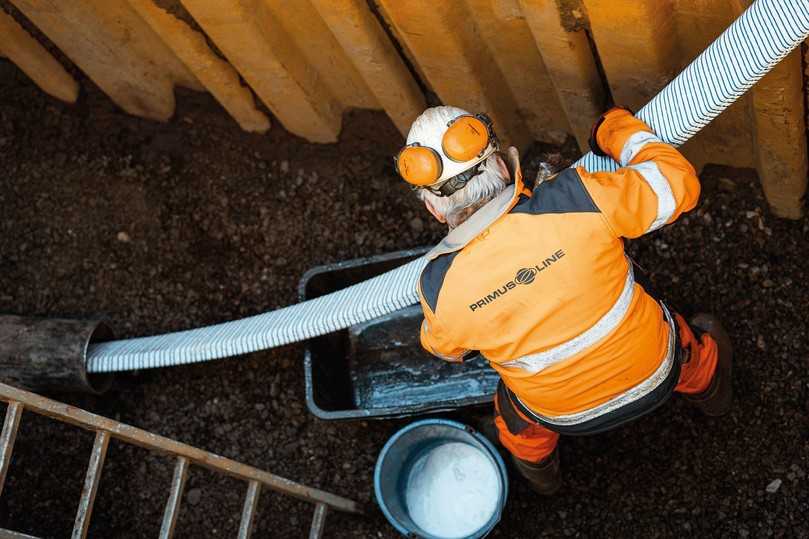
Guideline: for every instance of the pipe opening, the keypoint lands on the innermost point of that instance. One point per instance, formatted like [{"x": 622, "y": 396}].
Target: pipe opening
[{"x": 98, "y": 382}]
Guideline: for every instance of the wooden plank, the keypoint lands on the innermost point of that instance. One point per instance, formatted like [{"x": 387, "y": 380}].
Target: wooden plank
[
  {"x": 8, "y": 534},
  {"x": 35, "y": 61},
  {"x": 91, "y": 480},
  {"x": 505, "y": 32},
  {"x": 448, "y": 51},
  {"x": 779, "y": 136},
  {"x": 318, "y": 522},
  {"x": 570, "y": 64},
  {"x": 215, "y": 74},
  {"x": 7, "y": 438},
  {"x": 375, "y": 58},
  {"x": 115, "y": 48},
  {"x": 172, "y": 510},
  {"x": 249, "y": 510},
  {"x": 258, "y": 46},
  {"x": 637, "y": 45}
]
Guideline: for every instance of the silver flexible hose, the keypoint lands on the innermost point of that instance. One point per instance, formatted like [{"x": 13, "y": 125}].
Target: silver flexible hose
[{"x": 763, "y": 35}]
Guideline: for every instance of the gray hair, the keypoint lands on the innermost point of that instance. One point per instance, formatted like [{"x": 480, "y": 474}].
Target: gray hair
[{"x": 484, "y": 187}]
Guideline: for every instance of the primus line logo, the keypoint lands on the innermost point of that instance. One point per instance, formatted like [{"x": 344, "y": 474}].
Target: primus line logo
[{"x": 525, "y": 276}]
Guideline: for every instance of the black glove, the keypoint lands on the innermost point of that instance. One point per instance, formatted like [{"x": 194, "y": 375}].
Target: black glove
[{"x": 593, "y": 140}]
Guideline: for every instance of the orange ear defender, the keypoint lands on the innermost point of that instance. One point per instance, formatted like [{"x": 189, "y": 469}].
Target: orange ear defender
[
  {"x": 419, "y": 165},
  {"x": 467, "y": 137}
]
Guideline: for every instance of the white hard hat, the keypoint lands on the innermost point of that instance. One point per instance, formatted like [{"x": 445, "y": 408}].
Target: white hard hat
[{"x": 444, "y": 142}]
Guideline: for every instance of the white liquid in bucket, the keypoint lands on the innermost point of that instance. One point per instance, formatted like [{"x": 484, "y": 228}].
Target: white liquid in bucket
[{"x": 452, "y": 490}]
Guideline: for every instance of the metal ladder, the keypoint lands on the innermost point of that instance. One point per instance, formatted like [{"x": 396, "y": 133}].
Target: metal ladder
[{"x": 105, "y": 429}]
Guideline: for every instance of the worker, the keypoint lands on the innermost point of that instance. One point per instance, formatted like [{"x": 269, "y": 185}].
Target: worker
[{"x": 535, "y": 279}]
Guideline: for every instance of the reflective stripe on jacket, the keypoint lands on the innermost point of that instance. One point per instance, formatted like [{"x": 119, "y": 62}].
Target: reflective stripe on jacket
[{"x": 538, "y": 281}]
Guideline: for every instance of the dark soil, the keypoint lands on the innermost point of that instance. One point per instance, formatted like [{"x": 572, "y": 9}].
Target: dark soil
[{"x": 163, "y": 227}]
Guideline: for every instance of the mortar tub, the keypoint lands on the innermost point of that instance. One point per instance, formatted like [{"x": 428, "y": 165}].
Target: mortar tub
[
  {"x": 378, "y": 369},
  {"x": 402, "y": 451},
  {"x": 50, "y": 354}
]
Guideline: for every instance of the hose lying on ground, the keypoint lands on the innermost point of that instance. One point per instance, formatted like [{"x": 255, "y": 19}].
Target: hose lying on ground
[{"x": 764, "y": 34}]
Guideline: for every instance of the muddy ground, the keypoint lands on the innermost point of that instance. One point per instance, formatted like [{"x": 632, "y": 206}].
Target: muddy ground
[{"x": 164, "y": 227}]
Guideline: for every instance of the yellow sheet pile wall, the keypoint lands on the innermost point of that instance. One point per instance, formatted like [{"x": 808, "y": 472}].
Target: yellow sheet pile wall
[{"x": 543, "y": 69}]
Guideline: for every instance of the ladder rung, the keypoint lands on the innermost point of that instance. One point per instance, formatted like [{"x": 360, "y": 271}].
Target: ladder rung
[
  {"x": 249, "y": 509},
  {"x": 318, "y": 521},
  {"x": 175, "y": 496},
  {"x": 10, "y": 427},
  {"x": 91, "y": 480}
]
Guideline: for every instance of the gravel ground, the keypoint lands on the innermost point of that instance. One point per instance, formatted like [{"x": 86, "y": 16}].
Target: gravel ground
[{"x": 164, "y": 227}]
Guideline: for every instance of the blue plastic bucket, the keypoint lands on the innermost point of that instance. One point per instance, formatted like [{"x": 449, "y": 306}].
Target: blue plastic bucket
[{"x": 406, "y": 449}]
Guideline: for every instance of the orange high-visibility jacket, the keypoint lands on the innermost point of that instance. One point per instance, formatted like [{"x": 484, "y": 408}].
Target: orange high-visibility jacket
[{"x": 539, "y": 284}]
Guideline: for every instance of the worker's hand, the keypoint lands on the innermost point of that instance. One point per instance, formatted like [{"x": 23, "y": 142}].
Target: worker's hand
[{"x": 594, "y": 131}]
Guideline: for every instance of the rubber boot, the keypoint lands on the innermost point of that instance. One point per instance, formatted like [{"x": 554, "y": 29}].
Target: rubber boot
[
  {"x": 544, "y": 477},
  {"x": 716, "y": 400}
]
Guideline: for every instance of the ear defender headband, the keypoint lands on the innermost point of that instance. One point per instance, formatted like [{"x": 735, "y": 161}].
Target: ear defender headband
[{"x": 466, "y": 139}]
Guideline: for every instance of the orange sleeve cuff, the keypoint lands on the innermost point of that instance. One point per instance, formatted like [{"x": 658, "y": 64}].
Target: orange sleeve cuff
[
  {"x": 434, "y": 340},
  {"x": 618, "y": 125}
]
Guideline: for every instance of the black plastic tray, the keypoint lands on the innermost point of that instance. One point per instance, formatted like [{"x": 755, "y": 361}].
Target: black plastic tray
[{"x": 378, "y": 369}]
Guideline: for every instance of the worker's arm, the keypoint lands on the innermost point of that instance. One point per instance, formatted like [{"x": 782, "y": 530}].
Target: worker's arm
[
  {"x": 436, "y": 339},
  {"x": 655, "y": 185}
]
